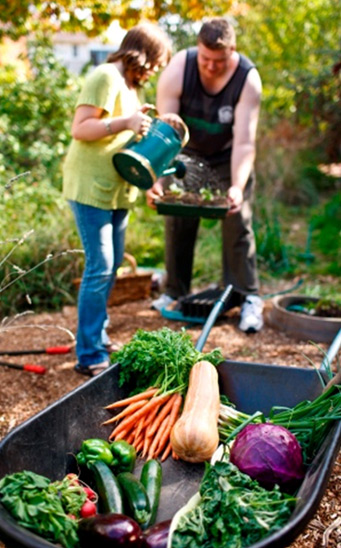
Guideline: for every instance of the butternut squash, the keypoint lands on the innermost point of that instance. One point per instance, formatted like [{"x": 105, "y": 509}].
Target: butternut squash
[{"x": 195, "y": 437}]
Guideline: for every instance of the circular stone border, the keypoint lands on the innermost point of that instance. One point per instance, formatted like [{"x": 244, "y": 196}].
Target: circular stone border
[{"x": 301, "y": 326}]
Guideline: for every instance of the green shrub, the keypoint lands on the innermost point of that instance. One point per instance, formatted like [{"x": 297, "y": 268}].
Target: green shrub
[{"x": 35, "y": 116}]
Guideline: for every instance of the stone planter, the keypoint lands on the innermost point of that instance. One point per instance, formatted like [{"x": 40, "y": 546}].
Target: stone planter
[{"x": 298, "y": 325}]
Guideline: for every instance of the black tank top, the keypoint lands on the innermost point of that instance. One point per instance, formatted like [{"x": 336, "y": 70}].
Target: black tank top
[{"x": 210, "y": 117}]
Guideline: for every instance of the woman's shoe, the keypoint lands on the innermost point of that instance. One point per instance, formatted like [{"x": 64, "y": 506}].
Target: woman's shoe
[{"x": 92, "y": 370}]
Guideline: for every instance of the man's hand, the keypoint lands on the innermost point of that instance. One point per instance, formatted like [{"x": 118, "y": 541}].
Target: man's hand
[
  {"x": 153, "y": 194},
  {"x": 234, "y": 199},
  {"x": 173, "y": 120}
]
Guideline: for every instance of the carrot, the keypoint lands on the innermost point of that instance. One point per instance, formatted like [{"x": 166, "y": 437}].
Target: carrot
[
  {"x": 130, "y": 438},
  {"x": 138, "y": 440},
  {"x": 149, "y": 419},
  {"x": 123, "y": 435},
  {"x": 160, "y": 435},
  {"x": 163, "y": 413},
  {"x": 140, "y": 426},
  {"x": 139, "y": 447},
  {"x": 175, "y": 409},
  {"x": 146, "y": 444},
  {"x": 166, "y": 451},
  {"x": 164, "y": 439},
  {"x": 156, "y": 401},
  {"x": 174, "y": 455},
  {"x": 126, "y": 420},
  {"x": 120, "y": 426},
  {"x": 127, "y": 401},
  {"x": 127, "y": 411},
  {"x": 119, "y": 434},
  {"x": 173, "y": 416}
]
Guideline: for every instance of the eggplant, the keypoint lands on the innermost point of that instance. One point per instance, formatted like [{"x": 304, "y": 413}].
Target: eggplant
[
  {"x": 157, "y": 535},
  {"x": 110, "y": 531}
]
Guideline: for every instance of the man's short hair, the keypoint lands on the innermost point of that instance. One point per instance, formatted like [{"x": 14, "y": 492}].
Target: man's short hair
[{"x": 217, "y": 33}]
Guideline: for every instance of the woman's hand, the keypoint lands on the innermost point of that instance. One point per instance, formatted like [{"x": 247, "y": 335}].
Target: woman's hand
[{"x": 140, "y": 122}]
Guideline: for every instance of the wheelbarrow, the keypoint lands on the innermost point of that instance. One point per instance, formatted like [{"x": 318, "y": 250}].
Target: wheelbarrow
[{"x": 46, "y": 443}]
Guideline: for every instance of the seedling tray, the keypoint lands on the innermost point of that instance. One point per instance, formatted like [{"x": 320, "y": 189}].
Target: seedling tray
[{"x": 189, "y": 210}]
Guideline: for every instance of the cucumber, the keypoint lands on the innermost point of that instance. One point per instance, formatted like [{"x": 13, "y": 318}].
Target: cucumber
[
  {"x": 108, "y": 488},
  {"x": 151, "y": 479},
  {"x": 135, "y": 498}
]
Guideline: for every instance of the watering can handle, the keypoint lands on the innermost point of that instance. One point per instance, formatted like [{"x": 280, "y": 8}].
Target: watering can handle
[{"x": 185, "y": 137}]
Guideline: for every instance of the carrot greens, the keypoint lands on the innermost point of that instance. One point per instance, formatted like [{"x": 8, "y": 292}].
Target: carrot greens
[{"x": 161, "y": 359}]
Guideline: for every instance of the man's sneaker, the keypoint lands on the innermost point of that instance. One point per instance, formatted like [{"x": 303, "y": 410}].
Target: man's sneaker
[
  {"x": 251, "y": 318},
  {"x": 162, "y": 302}
]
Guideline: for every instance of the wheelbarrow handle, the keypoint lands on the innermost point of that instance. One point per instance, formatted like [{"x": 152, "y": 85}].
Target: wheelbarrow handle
[
  {"x": 331, "y": 352},
  {"x": 217, "y": 308}
]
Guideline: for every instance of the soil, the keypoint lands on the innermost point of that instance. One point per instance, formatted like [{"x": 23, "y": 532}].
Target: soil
[
  {"x": 327, "y": 309},
  {"x": 23, "y": 394},
  {"x": 193, "y": 198}
]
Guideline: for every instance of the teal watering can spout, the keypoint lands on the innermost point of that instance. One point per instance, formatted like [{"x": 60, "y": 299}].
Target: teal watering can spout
[
  {"x": 144, "y": 160},
  {"x": 178, "y": 169}
]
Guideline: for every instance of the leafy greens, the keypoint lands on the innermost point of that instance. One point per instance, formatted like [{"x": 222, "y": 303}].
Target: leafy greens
[
  {"x": 234, "y": 511},
  {"x": 43, "y": 506},
  {"x": 161, "y": 358}
]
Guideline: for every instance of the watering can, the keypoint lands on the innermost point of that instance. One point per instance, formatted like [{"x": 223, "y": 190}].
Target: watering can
[{"x": 144, "y": 159}]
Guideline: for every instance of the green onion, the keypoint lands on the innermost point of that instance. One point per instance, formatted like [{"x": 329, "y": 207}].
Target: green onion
[{"x": 309, "y": 421}]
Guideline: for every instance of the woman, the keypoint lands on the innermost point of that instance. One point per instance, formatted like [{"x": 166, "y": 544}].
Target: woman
[{"x": 108, "y": 113}]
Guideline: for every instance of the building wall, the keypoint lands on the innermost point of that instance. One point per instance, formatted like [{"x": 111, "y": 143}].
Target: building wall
[
  {"x": 75, "y": 51},
  {"x": 73, "y": 56}
]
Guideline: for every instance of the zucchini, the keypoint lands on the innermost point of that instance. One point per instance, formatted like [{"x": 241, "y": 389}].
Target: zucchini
[
  {"x": 151, "y": 479},
  {"x": 135, "y": 498},
  {"x": 108, "y": 488}
]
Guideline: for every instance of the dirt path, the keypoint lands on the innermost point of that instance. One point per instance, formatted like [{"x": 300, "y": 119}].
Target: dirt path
[{"x": 23, "y": 394}]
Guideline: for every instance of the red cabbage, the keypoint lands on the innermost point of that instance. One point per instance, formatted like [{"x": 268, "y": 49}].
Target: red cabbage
[{"x": 270, "y": 454}]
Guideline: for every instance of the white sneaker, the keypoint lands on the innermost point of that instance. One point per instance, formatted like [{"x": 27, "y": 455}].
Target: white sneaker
[
  {"x": 251, "y": 318},
  {"x": 162, "y": 302}
]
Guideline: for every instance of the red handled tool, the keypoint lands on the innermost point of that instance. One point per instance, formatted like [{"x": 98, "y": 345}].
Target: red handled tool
[
  {"x": 32, "y": 368},
  {"x": 49, "y": 350}
]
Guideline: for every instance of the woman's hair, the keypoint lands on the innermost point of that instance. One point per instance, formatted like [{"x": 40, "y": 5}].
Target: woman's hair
[
  {"x": 217, "y": 33},
  {"x": 143, "y": 47}
]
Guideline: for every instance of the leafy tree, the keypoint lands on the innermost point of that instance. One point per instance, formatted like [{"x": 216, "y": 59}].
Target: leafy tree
[
  {"x": 23, "y": 16},
  {"x": 296, "y": 48}
]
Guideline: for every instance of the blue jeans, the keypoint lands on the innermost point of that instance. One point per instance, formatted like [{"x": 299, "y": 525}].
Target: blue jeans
[{"x": 102, "y": 233}]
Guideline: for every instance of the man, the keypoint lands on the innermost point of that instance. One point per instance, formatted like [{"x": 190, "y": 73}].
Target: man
[{"x": 217, "y": 92}]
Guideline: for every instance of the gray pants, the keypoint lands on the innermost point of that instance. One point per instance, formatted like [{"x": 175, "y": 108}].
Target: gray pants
[{"x": 239, "y": 250}]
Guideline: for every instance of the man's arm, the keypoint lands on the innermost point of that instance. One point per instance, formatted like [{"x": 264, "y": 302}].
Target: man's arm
[
  {"x": 170, "y": 84},
  {"x": 244, "y": 138}
]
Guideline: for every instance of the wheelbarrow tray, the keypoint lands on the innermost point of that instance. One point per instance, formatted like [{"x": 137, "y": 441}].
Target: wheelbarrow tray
[{"x": 46, "y": 443}]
